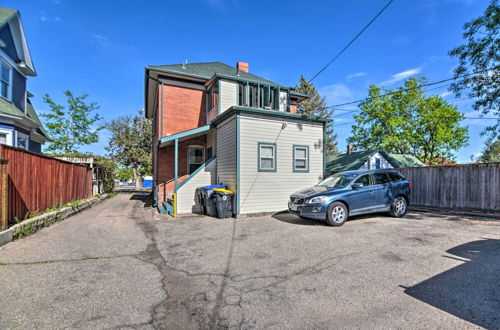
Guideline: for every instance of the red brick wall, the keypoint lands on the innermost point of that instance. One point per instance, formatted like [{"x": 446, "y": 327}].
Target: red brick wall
[
  {"x": 166, "y": 158},
  {"x": 183, "y": 109}
]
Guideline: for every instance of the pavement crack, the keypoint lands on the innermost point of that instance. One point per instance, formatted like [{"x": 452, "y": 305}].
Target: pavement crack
[{"x": 64, "y": 260}]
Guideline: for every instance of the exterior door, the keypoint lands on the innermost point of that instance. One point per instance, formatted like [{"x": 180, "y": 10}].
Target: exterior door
[
  {"x": 196, "y": 158},
  {"x": 363, "y": 198}
]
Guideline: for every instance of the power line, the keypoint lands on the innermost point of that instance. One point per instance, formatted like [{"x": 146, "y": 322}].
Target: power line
[
  {"x": 410, "y": 88},
  {"x": 352, "y": 40}
]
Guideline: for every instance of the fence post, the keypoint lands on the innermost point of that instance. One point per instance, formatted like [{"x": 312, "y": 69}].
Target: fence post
[{"x": 4, "y": 195}]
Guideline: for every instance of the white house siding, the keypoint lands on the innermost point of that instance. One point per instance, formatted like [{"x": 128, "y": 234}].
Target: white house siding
[
  {"x": 226, "y": 153},
  {"x": 270, "y": 191},
  {"x": 186, "y": 194},
  {"x": 228, "y": 94},
  {"x": 370, "y": 164}
]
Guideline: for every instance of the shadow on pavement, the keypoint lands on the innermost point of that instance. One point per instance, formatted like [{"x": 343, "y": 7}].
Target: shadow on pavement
[
  {"x": 288, "y": 217},
  {"x": 470, "y": 291},
  {"x": 144, "y": 197}
]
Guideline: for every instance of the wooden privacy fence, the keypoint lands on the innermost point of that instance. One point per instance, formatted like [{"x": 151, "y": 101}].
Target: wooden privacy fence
[
  {"x": 36, "y": 182},
  {"x": 470, "y": 186}
]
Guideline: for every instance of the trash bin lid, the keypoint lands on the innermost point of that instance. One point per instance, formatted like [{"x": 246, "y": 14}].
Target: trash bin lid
[
  {"x": 213, "y": 187},
  {"x": 229, "y": 192}
]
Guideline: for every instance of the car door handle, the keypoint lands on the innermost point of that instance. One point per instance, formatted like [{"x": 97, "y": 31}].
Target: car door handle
[{"x": 372, "y": 192}]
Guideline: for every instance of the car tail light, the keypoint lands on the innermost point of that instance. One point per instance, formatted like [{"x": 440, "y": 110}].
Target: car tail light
[{"x": 409, "y": 184}]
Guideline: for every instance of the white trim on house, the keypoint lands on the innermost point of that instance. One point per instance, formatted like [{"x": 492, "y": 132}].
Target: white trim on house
[
  {"x": 10, "y": 135},
  {"x": 371, "y": 163}
]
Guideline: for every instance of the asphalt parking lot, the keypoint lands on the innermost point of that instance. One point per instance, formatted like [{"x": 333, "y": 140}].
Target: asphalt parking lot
[{"x": 114, "y": 266}]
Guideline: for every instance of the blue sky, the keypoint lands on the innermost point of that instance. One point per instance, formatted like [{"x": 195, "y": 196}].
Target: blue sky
[{"x": 101, "y": 47}]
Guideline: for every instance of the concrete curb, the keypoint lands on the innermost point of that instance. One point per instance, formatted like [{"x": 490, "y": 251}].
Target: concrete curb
[{"x": 30, "y": 226}]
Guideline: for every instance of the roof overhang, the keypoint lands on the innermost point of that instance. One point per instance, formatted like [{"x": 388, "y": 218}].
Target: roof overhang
[
  {"x": 26, "y": 64},
  {"x": 271, "y": 113},
  {"x": 186, "y": 135}
]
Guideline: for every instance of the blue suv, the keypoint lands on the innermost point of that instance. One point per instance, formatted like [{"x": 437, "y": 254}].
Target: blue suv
[{"x": 351, "y": 193}]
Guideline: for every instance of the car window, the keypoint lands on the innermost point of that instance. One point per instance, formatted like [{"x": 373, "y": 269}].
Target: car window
[
  {"x": 381, "y": 178},
  {"x": 395, "y": 176},
  {"x": 365, "y": 180}
]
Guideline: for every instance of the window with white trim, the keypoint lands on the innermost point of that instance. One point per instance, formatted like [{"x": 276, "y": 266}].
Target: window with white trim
[
  {"x": 5, "y": 80},
  {"x": 22, "y": 141},
  {"x": 300, "y": 158},
  {"x": 3, "y": 138},
  {"x": 196, "y": 158},
  {"x": 266, "y": 157}
]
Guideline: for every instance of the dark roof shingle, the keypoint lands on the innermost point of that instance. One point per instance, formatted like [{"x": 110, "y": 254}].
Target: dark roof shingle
[{"x": 208, "y": 69}]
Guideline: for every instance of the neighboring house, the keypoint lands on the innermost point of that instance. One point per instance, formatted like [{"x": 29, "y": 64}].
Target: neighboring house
[
  {"x": 368, "y": 160},
  {"x": 19, "y": 124},
  {"x": 215, "y": 123}
]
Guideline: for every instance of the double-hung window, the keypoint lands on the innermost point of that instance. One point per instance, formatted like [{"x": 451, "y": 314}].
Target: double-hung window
[
  {"x": 266, "y": 157},
  {"x": 5, "y": 80},
  {"x": 196, "y": 158},
  {"x": 300, "y": 158}
]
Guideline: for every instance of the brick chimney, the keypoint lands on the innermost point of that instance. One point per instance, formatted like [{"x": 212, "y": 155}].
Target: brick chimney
[
  {"x": 350, "y": 149},
  {"x": 242, "y": 66}
]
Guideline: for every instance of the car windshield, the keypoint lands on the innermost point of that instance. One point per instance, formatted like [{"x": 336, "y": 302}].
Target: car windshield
[{"x": 337, "y": 181}]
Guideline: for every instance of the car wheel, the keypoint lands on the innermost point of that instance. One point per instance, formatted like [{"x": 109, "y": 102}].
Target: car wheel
[
  {"x": 336, "y": 214},
  {"x": 399, "y": 207}
]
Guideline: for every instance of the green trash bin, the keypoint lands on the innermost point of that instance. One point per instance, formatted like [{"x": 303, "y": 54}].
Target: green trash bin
[{"x": 223, "y": 203}]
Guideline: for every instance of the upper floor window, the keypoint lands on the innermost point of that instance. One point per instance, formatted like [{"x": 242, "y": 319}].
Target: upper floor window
[
  {"x": 5, "y": 77},
  {"x": 261, "y": 96},
  {"x": 3, "y": 138}
]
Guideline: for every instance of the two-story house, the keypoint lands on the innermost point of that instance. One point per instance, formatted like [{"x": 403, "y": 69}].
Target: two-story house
[
  {"x": 19, "y": 123},
  {"x": 218, "y": 124}
]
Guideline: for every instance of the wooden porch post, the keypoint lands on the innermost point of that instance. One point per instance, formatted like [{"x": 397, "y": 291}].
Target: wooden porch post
[
  {"x": 176, "y": 161},
  {"x": 4, "y": 195}
]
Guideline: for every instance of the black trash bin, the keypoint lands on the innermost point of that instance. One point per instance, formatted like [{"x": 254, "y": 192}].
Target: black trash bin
[
  {"x": 223, "y": 203},
  {"x": 207, "y": 203}
]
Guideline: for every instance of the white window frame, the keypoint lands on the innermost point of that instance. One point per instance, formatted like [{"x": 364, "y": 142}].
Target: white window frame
[
  {"x": 9, "y": 86},
  {"x": 9, "y": 134},
  {"x": 23, "y": 136},
  {"x": 188, "y": 158}
]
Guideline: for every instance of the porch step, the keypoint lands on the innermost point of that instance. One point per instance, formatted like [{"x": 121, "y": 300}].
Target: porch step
[{"x": 166, "y": 208}]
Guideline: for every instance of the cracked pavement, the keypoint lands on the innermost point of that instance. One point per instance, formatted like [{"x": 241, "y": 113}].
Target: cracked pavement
[{"x": 117, "y": 266}]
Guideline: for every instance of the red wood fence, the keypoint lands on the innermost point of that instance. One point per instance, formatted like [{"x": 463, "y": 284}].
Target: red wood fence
[{"x": 37, "y": 182}]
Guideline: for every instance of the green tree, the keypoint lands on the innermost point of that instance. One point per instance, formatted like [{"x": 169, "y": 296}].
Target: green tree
[
  {"x": 405, "y": 121},
  {"x": 125, "y": 174},
  {"x": 71, "y": 126},
  {"x": 491, "y": 152},
  {"x": 479, "y": 60},
  {"x": 315, "y": 106},
  {"x": 131, "y": 142}
]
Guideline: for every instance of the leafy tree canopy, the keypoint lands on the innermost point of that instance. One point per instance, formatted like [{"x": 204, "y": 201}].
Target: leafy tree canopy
[
  {"x": 130, "y": 144},
  {"x": 491, "y": 152},
  {"x": 71, "y": 126},
  {"x": 406, "y": 121},
  {"x": 315, "y": 106},
  {"x": 479, "y": 65}
]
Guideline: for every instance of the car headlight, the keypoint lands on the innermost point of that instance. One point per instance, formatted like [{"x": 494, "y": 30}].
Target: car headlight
[{"x": 318, "y": 199}]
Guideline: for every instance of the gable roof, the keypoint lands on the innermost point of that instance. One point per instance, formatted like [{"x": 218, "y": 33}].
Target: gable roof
[
  {"x": 5, "y": 14},
  {"x": 15, "y": 31},
  {"x": 355, "y": 160},
  {"x": 207, "y": 70}
]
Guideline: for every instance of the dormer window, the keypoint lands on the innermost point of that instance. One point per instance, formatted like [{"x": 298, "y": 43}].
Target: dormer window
[{"x": 5, "y": 80}]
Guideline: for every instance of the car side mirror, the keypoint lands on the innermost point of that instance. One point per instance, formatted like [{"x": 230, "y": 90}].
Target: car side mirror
[{"x": 357, "y": 186}]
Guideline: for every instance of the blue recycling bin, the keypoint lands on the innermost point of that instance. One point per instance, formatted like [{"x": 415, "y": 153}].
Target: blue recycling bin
[{"x": 147, "y": 182}]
